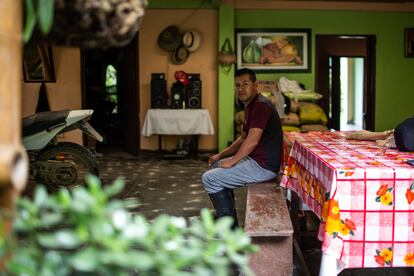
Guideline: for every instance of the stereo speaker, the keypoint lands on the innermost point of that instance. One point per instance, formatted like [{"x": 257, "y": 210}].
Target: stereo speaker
[
  {"x": 177, "y": 95},
  {"x": 193, "y": 92},
  {"x": 158, "y": 90}
]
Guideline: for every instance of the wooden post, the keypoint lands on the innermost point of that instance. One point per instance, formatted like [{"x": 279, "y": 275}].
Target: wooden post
[{"x": 13, "y": 158}]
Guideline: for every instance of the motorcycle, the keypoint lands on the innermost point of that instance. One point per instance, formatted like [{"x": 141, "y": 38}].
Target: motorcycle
[{"x": 59, "y": 164}]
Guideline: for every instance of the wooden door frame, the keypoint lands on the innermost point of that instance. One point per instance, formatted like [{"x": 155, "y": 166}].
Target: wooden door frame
[
  {"x": 347, "y": 46},
  {"x": 132, "y": 143},
  {"x": 129, "y": 86},
  {"x": 336, "y": 95}
]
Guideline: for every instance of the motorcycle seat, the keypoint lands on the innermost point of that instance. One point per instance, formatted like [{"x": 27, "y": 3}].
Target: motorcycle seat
[{"x": 42, "y": 121}]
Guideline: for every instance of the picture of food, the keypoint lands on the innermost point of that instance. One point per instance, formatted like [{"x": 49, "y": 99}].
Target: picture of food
[{"x": 273, "y": 51}]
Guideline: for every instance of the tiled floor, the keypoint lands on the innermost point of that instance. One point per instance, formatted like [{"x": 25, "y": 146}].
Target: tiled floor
[{"x": 174, "y": 187}]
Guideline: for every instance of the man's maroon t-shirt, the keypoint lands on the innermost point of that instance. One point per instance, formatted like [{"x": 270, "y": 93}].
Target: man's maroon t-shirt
[{"x": 260, "y": 113}]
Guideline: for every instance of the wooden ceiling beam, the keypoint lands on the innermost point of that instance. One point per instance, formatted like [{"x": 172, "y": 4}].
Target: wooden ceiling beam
[{"x": 367, "y": 5}]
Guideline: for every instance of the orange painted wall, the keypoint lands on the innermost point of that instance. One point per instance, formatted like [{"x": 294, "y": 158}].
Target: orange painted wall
[
  {"x": 65, "y": 93},
  {"x": 155, "y": 60}
]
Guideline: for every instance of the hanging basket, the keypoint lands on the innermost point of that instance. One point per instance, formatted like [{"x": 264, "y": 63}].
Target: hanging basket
[
  {"x": 93, "y": 24},
  {"x": 226, "y": 55}
]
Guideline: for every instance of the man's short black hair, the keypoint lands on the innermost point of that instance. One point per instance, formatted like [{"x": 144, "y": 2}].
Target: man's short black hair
[{"x": 247, "y": 71}]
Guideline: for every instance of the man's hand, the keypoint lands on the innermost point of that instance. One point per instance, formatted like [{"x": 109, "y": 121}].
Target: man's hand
[
  {"x": 213, "y": 159},
  {"x": 227, "y": 163}
]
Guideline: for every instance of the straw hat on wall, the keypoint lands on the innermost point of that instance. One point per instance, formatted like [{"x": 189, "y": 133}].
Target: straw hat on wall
[
  {"x": 170, "y": 38},
  {"x": 180, "y": 55},
  {"x": 191, "y": 40}
]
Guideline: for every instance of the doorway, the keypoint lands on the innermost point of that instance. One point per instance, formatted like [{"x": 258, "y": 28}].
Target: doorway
[
  {"x": 345, "y": 76},
  {"x": 110, "y": 87},
  {"x": 346, "y": 96}
]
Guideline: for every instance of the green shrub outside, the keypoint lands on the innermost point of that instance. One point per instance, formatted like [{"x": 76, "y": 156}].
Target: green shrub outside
[{"x": 87, "y": 231}]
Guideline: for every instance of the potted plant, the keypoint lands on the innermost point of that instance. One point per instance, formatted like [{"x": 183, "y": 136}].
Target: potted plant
[{"x": 87, "y": 231}]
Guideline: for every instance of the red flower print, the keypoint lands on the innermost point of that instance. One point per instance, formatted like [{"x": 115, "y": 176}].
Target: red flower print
[
  {"x": 349, "y": 173},
  {"x": 410, "y": 196},
  {"x": 382, "y": 190},
  {"x": 409, "y": 258},
  {"x": 380, "y": 260},
  {"x": 350, "y": 224}
]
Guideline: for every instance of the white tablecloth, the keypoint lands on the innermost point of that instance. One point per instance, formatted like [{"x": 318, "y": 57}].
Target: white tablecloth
[{"x": 177, "y": 122}]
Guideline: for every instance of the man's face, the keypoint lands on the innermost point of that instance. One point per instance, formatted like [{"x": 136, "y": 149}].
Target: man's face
[{"x": 245, "y": 88}]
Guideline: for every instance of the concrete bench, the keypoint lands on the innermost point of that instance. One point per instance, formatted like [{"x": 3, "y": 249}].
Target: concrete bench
[{"x": 268, "y": 223}]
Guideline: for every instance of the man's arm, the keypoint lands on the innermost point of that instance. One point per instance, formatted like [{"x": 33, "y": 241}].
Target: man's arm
[
  {"x": 246, "y": 147},
  {"x": 230, "y": 150}
]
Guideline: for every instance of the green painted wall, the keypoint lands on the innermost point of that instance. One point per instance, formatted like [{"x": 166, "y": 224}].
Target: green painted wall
[
  {"x": 394, "y": 72},
  {"x": 226, "y": 81}
]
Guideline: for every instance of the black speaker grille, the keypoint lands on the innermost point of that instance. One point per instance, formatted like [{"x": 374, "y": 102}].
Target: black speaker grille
[
  {"x": 193, "y": 92},
  {"x": 158, "y": 91},
  {"x": 177, "y": 95}
]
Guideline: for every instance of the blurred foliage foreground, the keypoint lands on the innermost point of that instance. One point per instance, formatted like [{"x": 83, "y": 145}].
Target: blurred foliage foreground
[{"x": 86, "y": 231}]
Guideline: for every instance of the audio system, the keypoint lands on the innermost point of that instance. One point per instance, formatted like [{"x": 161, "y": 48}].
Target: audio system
[
  {"x": 193, "y": 92},
  {"x": 188, "y": 96},
  {"x": 158, "y": 91},
  {"x": 177, "y": 95}
]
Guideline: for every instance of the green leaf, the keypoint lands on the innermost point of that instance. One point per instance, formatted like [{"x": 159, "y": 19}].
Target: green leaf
[
  {"x": 83, "y": 201},
  {"x": 377, "y": 199},
  {"x": 86, "y": 260},
  {"x": 30, "y": 20},
  {"x": 64, "y": 198},
  {"x": 160, "y": 225},
  {"x": 45, "y": 9},
  {"x": 63, "y": 239},
  {"x": 207, "y": 219},
  {"x": 49, "y": 219},
  {"x": 40, "y": 196},
  {"x": 138, "y": 260},
  {"x": 93, "y": 180},
  {"x": 116, "y": 187},
  {"x": 94, "y": 184},
  {"x": 378, "y": 252},
  {"x": 223, "y": 225}
]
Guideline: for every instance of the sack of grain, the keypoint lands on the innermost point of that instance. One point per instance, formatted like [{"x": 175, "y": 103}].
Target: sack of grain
[{"x": 310, "y": 113}]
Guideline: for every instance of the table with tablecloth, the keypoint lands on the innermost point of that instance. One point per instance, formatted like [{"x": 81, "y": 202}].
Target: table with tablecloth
[
  {"x": 363, "y": 193},
  {"x": 177, "y": 122}
]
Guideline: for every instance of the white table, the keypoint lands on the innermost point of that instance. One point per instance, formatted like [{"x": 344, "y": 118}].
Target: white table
[{"x": 177, "y": 122}]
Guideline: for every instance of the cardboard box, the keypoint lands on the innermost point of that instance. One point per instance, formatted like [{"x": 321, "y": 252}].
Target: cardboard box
[{"x": 267, "y": 86}]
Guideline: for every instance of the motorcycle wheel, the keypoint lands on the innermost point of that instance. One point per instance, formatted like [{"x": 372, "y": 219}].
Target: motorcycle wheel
[{"x": 80, "y": 157}]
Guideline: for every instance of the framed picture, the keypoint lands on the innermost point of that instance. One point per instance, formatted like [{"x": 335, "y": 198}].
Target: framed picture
[
  {"x": 38, "y": 63},
  {"x": 409, "y": 42},
  {"x": 274, "y": 50}
]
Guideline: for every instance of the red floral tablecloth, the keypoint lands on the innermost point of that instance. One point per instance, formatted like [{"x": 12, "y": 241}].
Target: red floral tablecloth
[{"x": 364, "y": 195}]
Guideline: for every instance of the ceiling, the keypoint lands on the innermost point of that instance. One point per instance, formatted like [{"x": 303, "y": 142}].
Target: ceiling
[{"x": 368, "y": 5}]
